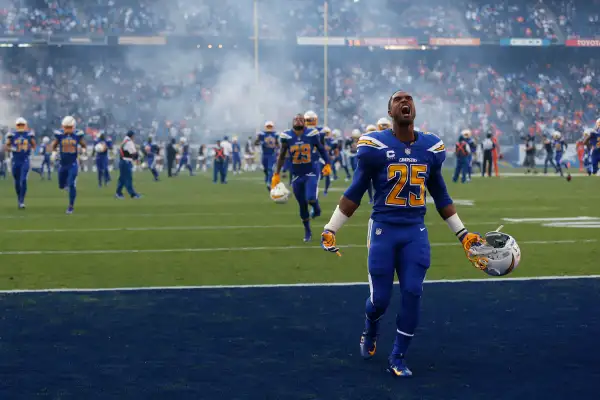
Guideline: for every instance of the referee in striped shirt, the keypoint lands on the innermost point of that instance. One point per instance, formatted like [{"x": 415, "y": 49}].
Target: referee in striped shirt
[{"x": 128, "y": 153}]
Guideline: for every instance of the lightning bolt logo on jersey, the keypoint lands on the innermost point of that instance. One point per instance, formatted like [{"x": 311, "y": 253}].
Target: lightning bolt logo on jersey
[{"x": 400, "y": 174}]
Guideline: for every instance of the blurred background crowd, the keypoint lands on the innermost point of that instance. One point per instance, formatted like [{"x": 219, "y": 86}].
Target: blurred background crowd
[{"x": 204, "y": 94}]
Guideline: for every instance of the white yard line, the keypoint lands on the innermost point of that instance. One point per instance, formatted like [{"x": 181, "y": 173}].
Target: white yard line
[
  {"x": 290, "y": 285},
  {"x": 238, "y": 249},
  {"x": 196, "y": 228}
]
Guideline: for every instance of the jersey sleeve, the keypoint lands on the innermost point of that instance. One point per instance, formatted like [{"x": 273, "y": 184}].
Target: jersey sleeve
[
  {"x": 435, "y": 183},
  {"x": 368, "y": 154}
]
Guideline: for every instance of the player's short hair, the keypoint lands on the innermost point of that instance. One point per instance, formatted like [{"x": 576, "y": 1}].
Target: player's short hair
[{"x": 391, "y": 97}]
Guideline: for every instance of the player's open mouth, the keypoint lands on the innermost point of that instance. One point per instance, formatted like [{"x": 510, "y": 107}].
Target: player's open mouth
[{"x": 405, "y": 110}]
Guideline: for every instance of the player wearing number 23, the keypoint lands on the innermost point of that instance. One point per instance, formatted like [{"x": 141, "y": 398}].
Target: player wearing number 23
[
  {"x": 300, "y": 142},
  {"x": 402, "y": 163},
  {"x": 68, "y": 141}
]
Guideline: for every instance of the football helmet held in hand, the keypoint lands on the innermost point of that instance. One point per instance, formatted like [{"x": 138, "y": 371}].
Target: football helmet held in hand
[
  {"x": 280, "y": 194},
  {"x": 500, "y": 253}
]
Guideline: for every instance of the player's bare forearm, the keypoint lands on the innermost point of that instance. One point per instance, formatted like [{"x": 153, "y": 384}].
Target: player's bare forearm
[
  {"x": 54, "y": 145},
  {"x": 347, "y": 206},
  {"x": 33, "y": 143},
  {"x": 586, "y": 141},
  {"x": 447, "y": 211},
  {"x": 281, "y": 159}
]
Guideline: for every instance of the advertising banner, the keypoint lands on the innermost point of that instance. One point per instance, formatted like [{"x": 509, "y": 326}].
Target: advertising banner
[
  {"x": 524, "y": 42},
  {"x": 454, "y": 41},
  {"x": 583, "y": 42}
]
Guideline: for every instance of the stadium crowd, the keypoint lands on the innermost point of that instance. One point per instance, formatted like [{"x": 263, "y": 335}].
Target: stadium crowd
[
  {"x": 524, "y": 94},
  {"x": 488, "y": 20}
]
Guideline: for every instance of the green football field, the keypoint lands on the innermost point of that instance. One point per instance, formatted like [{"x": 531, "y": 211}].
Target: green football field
[{"x": 187, "y": 231}]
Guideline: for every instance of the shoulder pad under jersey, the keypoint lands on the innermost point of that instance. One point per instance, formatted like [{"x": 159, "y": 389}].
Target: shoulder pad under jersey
[{"x": 370, "y": 141}]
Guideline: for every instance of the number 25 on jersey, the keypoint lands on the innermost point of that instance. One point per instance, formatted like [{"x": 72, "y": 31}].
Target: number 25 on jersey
[{"x": 414, "y": 176}]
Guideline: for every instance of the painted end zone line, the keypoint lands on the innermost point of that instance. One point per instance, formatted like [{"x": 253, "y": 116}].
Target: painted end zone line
[
  {"x": 290, "y": 285},
  {"x": 218, "y": 249}
]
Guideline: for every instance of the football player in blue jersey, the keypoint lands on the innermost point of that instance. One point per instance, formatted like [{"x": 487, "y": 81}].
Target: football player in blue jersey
[
  {"x": 472, "y": 157},
  {"x": 593, "y": 141},
  {"x": 559, "y": 150},
  {"x": 402, "y": 163},
  {"x": 102, "y": 146},
  {"x": 300, "y": 142},
  {"x": 45, "y": 151},
  {"x": 341, "y": 156},
  {"x": 184, "y": 148},
  {"x": 151, "y": 152},
  {"x": 68, "y": 141},
  {"x": 20, "y": 142},
  {"x": 312, "y": 121},
  {"x": 327, "y": 140},
  {"x": 268, "y": 141}
]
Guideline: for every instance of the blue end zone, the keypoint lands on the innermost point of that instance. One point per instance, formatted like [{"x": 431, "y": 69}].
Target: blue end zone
[{"x": 502, "y": 340}]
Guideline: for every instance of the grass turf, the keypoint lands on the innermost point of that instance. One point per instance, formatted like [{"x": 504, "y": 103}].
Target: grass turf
[{"x": 188, "y": 231}]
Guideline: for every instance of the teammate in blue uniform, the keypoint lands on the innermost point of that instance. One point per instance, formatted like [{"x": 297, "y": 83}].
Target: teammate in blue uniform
[
  {"x": 151, "y": 152},
  {"x": 268, "y": 141},
  {"x": 185, "y": 157},
  {"x": 45, "y": 151},
  {"x": 472, "y": 157},
  {"x": 102, "y": 146},
  {"x": 327, "y": 138},
  {"x": 68, "y": 141},
  {"x": 236, "y": 155},
  {"x": 402, "y": 163},
  {"x": 559, "y": 150},
  {"x": 20, "y": 142},
  {"x": 300, "y": 142},
  {"x": 593, "y": 141},
  {"x": 312, "y": 121},
  {"x": 339, "y": 154}
]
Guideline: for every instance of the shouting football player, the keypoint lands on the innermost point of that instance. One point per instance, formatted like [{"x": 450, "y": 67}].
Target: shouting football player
[
  {"x": 402, "y": 163},
  {"x": 300, "y": 142}
]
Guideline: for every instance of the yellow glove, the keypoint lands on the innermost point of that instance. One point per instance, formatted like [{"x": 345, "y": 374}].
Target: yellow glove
[
  {"x": 275, "y": 180},
  {"x": 474, "y": 239},
  {"x": 326, "y": 171},
  {"x": 328, "y": 242}
]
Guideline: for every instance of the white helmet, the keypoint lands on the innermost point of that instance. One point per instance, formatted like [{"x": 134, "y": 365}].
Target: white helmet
[
  {"x": 269, "y": 126},
  {"x": 500, "y": 253},
  {"x": 183, "y": 139},
  {"x": 556, "y": 135},
  {"x": 466, "y": 133},
  {"x": 46, "y": 140},
  {"x": 383, "y": 124},
  {"x": 326, "y": 131},
  {"x": 356, "y": 133},
  {"x": 311, "y": 119},
  {"x": 68, "y": 121},
  {"x": 587, "y": 132},
  {"x": 280, "y": 194},
  {"x": 337, "y": 133},
  {"x": 371, "y": 128},
  {"x": 598, "y": 123},
  {"x": 21, "y": 121}
]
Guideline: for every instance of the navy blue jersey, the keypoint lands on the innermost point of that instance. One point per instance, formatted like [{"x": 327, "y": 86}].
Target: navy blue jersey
[
  {"x": 301, "y": 149},
  {"x": 400, "y": 173},
  {"x": 268, "y": 142},
  {"x": 472, "y": 145},
  {"x": 21, "y": 144},
  {"x": 559, "y": 146},
  {"x": 107, "y": 146},
  {"x": 595, "y": 141},
  {"x": 151, "y": 149},
  {"x": 68, "y": 146}
]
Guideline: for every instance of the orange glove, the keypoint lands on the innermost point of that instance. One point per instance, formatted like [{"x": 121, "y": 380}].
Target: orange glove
[
  {"x": 326, "y": 171},
  {"x": 469, "y": 240},
  {"x": 328, "y": 242},
  {"x": 275, "y": 180}
]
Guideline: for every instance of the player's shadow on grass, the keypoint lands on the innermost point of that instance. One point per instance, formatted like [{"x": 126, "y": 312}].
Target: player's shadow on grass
[{"x": 510, "y": 340}]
